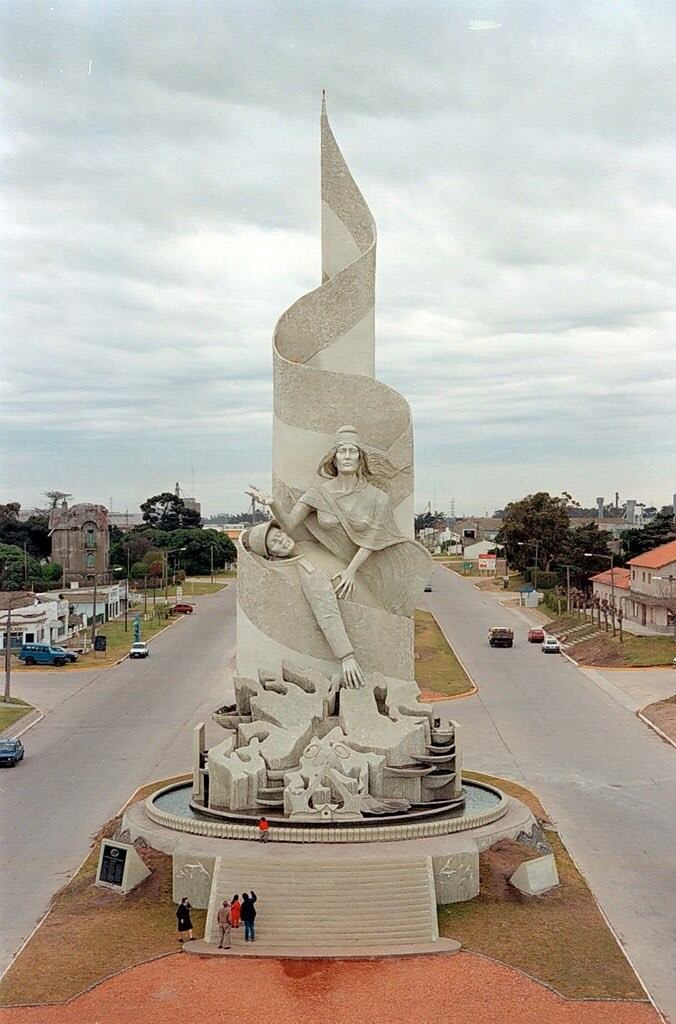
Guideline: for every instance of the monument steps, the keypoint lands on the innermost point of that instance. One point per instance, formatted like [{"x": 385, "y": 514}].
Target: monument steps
[{"x": 361, "y": 904}]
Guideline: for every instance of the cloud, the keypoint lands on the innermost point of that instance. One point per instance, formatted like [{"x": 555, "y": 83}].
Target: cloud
[{"x": 161, "y": 188}]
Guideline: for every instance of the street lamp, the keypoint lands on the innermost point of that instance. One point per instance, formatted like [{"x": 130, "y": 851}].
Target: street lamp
[{"x": 536, "y": 544}]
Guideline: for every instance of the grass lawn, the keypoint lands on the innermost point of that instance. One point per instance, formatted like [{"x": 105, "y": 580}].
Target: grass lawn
[
  {"x": 606, "y": 650},
  {"x": 436, "y": 666},
  {"x": 118, "y": 645},
  {"x": 12, "y": 712},
  {"x": 92, "y": 933},
  {"x": 560, "y": 937}
]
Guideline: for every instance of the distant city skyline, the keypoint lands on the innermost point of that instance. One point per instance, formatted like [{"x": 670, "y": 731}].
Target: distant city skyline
[{"x": 161, "y": 168}]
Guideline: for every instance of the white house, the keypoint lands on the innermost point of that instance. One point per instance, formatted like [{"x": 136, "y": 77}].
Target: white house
[
  {"x": 35, "y": 618},
  {"x": 606, "y": 587},
  {"x": 109, "y": 602},
  {"x": 652, "y": 589}
]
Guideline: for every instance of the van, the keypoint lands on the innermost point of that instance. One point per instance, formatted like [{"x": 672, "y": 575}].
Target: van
[{"x": 45, "y": 654}]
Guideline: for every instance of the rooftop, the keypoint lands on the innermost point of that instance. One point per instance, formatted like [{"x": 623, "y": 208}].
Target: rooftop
[
  {"x": 619, "y": 577},
  {"x": 656, "y": 557}
]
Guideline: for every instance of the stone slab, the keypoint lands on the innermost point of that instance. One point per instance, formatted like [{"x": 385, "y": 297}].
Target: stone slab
[
  {"x": 192, "y": 877},
  {"x": 456, "y": 875},
  {"x": 536, "y": 876}
]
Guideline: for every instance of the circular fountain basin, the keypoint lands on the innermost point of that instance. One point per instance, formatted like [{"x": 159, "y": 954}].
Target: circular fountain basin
[{"x": 174, "y": 808}]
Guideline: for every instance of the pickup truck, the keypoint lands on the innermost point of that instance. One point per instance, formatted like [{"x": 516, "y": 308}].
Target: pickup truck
[{"x": 500, "y": 636}]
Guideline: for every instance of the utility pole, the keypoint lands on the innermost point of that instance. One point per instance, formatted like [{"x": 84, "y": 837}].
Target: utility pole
[
  {"x": 96, "y": 578},
  {"x": 126, "y": 603},
  {"x": 25, "y": 566},
  {"x": 537, "y": 548},
  {"x": 8, "y": 655},
  {"x": 211, "y": 548}
]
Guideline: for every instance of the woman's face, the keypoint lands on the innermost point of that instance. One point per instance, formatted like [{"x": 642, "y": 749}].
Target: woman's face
[{"x": 347, "y": 458}]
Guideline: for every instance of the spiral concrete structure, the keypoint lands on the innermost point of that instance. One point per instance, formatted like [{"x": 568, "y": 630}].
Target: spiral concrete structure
[{"x": 324, "y": 377}]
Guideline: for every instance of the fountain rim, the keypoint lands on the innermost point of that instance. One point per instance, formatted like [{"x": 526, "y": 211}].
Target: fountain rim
[{"x": 329, "y": 832}]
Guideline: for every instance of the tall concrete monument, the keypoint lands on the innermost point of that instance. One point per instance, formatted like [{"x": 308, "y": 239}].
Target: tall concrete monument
[
  {"x": 328, "y": 725},
  {"x": 328, "y": 736}
]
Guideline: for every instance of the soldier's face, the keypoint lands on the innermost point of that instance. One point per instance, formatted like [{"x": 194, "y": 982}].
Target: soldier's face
[{"x": 278, "y": 543}]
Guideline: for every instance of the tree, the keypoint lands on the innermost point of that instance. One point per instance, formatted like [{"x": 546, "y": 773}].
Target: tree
[
  {"x": 56, "y": 497},
  {"x": 660, "y": 530},
  {"x": 196, "y": 559},
  {"x": 537, "y": 517},
  {"x": 33, "y": 532},
  {"x": 18, "y": 570},
  {"x": 578, "y": 542},
  {"x": 166, "y": 511}
]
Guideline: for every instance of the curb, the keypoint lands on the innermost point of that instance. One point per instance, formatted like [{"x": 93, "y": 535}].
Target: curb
[
  {"x": 456, "y": 696},
  {"x": 655, "y": 728},
  {"x": 25, "y": 723}
]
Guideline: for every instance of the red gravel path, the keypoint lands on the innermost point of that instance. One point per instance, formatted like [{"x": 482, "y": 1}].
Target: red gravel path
[{"x": 461, "y": 989}]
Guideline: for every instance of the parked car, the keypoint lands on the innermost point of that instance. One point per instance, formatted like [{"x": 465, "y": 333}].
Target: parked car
[
  {"x": 536, "y": 636},
  {"x": 45, "y": 654},
  {"x": 428, "y": 587},
  {"x": 139, "y": 650},
  {"x": 11, "y": 752},
  {"x": 500, "y": 636},
  {"x": 183, "y": 609},
  {"x": 551, "y": 645}
]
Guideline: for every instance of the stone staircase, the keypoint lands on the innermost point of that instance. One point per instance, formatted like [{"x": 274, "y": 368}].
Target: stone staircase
[{"x": 373, "y": 903}]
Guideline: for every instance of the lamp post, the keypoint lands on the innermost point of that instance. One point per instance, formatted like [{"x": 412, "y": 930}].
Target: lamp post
[
  {"x": 611, "y": 559},
  {"x": 536, "y": 544},
  {"x": 8, "y": 648},
  {"x": 211, "y": 550}
]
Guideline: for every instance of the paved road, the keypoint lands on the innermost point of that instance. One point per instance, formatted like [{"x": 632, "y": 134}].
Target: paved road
[
  {"x": 606, "y": 779},
  {"x": 105, "y": 734}
]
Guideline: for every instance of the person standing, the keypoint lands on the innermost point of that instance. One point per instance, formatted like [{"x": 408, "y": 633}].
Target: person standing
[
  {"x": 184, "y": 922},
  {"x": 263, "y": 829},
  {"x": 249, "y": 916},
  {"x": 235, "y": 910},
  {"x": 224, "y": 925}
]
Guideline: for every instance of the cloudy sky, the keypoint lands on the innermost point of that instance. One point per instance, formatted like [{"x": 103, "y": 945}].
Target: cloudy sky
[{"x": 161, "y": 194}]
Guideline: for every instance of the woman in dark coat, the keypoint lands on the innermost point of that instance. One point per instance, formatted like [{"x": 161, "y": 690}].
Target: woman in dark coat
[
  {"x": 249, "y": 915},
  {"x": 184, "y": 922}
]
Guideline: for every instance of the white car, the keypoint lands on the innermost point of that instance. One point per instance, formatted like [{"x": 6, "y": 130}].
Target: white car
[
  {"x": 551, "y": 645},
  {"x": 139, "y": 650}
]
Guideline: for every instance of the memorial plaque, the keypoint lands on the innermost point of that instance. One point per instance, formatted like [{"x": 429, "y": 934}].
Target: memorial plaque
[
  {"x": 100, "y": 643},
  {"x": 113, "y": 860}
]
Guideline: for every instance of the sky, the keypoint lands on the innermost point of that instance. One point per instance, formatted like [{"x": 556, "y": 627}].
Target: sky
[{"x": 160, "y": 189}]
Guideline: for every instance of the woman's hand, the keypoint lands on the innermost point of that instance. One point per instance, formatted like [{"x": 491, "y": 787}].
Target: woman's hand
[
  {"x": 352, "y": 674},
  {"x": 345, "y": 584},
  {"x": 262, "y": 499}
]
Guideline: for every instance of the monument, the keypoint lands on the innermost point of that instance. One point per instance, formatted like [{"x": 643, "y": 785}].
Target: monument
[
  {"x": 328, "y": 736},
  {"x": 327, "y": 724}
]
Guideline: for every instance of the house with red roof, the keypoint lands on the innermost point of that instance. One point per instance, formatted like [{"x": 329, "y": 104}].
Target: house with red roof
[
  {"x": 614, "y": 585},
  {"x": 652, "y": 588}
]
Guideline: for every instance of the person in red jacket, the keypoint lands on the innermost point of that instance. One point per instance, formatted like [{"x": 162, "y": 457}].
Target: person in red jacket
[
  {"x": 263, "y": 829},
  {"x": 235, "y": 911}
]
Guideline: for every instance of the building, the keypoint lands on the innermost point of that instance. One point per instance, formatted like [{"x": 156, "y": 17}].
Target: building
[
  {"x": 80, "y": 542},
  {"x": 125, "y": 520},
  {"x": 35, "y": 618},
  {"x": 110, "y": 602},
  {"x": 605, "y": 586},
  {"x": 478, "y": 528},
  {"x": 653, "y": 588},
  {"x": 471, "y": 552}
]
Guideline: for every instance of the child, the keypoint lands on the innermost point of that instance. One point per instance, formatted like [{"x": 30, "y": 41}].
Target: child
[{"x": 263, "y": 829}]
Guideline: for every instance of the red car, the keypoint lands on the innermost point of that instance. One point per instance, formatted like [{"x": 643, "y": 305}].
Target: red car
[
  {"x": 185, "y": 609},
  {"x": 536, "y": 636}
]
